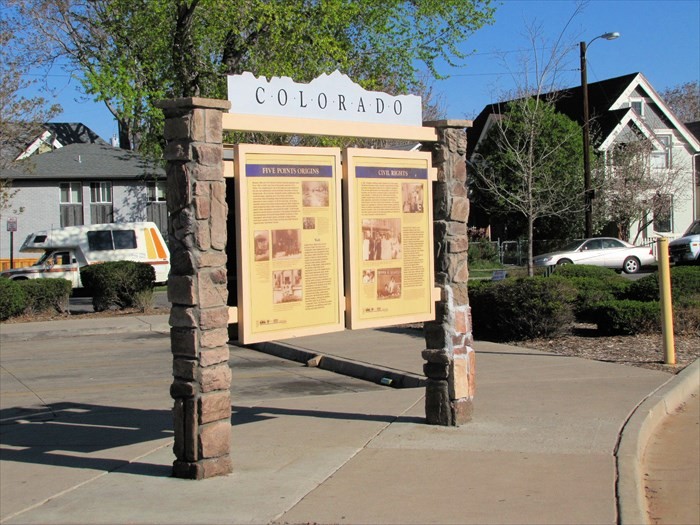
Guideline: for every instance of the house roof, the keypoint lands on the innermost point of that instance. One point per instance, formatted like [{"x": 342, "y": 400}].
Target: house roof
[
  {"x": 73, "y": 133},
  {"x": 694, "y": 128},
  {"x": 605, "y": 103},
  {"x": 55, "y": 135},
  {"x": 94, "y": 161}
]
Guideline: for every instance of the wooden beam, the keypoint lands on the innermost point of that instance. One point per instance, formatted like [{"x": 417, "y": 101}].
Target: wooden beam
[{"x": 333, "y": 128}]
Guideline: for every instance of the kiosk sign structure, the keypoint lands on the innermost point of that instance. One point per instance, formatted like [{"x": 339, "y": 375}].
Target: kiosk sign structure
[{"x": 313, "y": 259}]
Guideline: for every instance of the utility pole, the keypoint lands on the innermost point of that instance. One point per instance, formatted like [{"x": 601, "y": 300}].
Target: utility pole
[{"x": 588, "y": 191}]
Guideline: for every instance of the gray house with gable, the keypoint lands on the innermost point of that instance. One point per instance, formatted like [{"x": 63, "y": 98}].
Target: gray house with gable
[{"x": 69, "y": 176}]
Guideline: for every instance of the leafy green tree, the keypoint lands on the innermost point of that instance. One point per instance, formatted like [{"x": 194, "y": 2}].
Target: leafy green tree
[
  {"x": 530, "y": 164},
  {"x": 131, "y": 53}
]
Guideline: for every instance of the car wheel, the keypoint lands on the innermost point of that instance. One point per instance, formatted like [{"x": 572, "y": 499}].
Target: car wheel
[
  {"x": 631, "y": 265},
  {"x": 564, "y": 261}
]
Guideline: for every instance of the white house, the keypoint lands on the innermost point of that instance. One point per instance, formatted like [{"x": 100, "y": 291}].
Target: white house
[{"x": 621, "y": 109}]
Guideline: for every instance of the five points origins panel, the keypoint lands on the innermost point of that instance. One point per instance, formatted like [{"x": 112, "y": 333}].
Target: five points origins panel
[{"x": 290, "y": 277}]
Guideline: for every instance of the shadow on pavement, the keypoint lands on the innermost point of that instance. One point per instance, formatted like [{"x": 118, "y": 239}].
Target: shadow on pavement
[
  {"x": 245, "y": 415},
  {"x": 73, "y": 434}
]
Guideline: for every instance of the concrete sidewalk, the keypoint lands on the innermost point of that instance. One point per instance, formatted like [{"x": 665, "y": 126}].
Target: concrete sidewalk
[{"x": 86, "y": 432}]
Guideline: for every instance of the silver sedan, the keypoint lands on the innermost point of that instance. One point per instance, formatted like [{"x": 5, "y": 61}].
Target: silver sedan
[{"x": 601, "y": 251}]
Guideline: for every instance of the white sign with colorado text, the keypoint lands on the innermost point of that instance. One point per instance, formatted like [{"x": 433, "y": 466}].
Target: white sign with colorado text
[{"x": 328, "y": 97}]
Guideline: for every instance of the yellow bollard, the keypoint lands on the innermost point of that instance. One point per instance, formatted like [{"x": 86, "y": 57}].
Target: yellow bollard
[{"x": 666, "y": 303}]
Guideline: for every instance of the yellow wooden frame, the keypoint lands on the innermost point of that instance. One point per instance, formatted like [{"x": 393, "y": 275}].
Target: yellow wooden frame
[
  {"x": 333, "y": 128},
  {"x": 249, "y": 311},
  {"x": 354, "y": 268}
]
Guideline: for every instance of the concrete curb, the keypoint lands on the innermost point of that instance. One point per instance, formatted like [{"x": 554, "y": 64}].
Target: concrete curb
[
  {"x": 359, "y": 370},
  {"x": 631, "y": 497}
]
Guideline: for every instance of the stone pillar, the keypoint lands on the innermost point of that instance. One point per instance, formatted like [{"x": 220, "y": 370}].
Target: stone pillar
[
  {"x": 449, "y": 353},
  {"x": 197, "y": 287}
]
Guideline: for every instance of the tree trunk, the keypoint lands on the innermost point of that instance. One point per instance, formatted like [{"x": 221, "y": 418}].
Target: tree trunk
[
  {"x": 124, "y": 140},
  {"x": 530, "y": 241}
]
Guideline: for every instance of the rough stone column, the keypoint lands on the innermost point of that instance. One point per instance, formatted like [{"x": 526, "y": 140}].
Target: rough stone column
[
  {"x": 449, "y": 353},
  {"x": 197, "y": 287}
]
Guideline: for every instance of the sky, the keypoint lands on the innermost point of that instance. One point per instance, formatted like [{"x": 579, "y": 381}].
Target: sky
[{"x": 660, "y": 39}]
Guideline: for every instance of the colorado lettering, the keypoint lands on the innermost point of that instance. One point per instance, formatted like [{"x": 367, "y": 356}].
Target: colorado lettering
[
  {"x": 341, "y": 102},
  {"x": 331, "y": 97}
]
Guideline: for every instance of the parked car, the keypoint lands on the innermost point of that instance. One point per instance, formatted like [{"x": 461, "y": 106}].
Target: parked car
[
  {"x": 687, "y": 248},
  {"x": 601, "y": 251}
]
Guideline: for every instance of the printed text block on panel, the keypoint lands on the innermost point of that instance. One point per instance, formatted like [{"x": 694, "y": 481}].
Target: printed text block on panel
[
  {"x": 389, "y": 236},
  {"x": 289, "y": 250}
]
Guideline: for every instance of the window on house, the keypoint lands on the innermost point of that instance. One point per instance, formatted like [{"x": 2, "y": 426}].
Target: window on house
[
  {"x": 638, "y": 106},
  {"x": 663, "y": 213},
  {"x": 71, "y": 193},
  {"x": 100, "y": 192},
  {"x": 71, "y": 203},
  {"x": 662, "y": 158},
  {"x": 156, "y": 190}
]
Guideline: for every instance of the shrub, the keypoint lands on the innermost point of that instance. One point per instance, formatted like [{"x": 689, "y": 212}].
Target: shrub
[
  {"x": 685, "y": 282},
  {"x": 13, "y": 300},
  {"x": 585, "y": 270},
  {"x": 686, "y": 317},
  {"x": 644, "y": 289},
  {"x": 593, "y": 285},
  {"x": 117, "y": 284},
  {"x": 627, "y": 317},
  {"x": 520, "y": 309},
  {"x": 483, "y": 255},
  {"x": 46, "y": 295}
]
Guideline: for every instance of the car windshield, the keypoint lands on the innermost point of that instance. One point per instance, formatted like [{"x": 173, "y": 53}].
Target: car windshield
[
  {"x": 694, "y": 229},
  {"x": 572, "y": 246}
]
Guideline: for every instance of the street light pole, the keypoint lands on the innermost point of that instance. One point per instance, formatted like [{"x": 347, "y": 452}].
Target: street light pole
[{"x": 588, "y": 191}]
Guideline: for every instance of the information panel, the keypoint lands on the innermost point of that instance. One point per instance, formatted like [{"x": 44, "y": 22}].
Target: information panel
[
  {"x": 289, "y": 273},
  {"x": 389, "y": 234}
]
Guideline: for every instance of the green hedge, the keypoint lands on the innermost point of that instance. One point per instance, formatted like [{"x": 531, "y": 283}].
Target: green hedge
[
  {"x": 33, "y": 296},
  {"x": 483, "y": 255},
  {"x": 13, "y": 300},
  {"x": 685, "y": 284},
  {"x": 119, "y": 284},
  {"x": 585, "y": 270},
  {"x": 521, "y": 309},
  {"x": 45, "y": 295},
  {"x": 593, "y": 284},
  {"x": 627, "y": 317}
]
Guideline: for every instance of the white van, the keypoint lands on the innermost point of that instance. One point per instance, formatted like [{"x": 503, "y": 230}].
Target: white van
[{"x": 66, "y": 250}]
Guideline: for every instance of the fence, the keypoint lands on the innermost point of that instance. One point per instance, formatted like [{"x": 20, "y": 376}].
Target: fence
[
  {"x": 515, "y": 252},
  {"x": 17, "y": 263}
]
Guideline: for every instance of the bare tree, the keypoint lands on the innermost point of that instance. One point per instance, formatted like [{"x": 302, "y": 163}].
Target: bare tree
[
  {"x": 530, "y": 162},
  {"x": 684, "y": 101},
  {"x": 636, "y": 187},
  {"x": 21, "y": 117}
]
